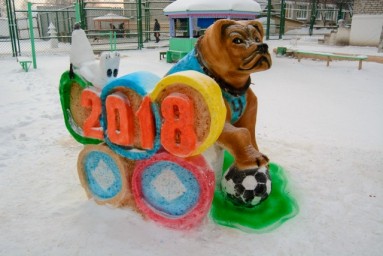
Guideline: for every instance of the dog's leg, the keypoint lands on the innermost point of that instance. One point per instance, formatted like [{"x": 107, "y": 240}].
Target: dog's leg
[
  {"x": 237, "y": 141},
  {"x": 240, "y": 140},
  {"x": 249, "y": 118}
]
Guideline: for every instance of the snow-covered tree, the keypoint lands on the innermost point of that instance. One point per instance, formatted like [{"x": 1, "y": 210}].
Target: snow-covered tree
[{"x": 53, "y": 35}]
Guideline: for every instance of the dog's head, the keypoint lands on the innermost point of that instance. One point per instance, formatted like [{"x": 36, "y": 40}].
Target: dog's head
[{"x": 234, "y": 49}]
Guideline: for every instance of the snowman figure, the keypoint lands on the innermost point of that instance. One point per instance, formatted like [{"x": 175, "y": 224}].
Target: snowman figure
[{"x": 84, "y": 63}]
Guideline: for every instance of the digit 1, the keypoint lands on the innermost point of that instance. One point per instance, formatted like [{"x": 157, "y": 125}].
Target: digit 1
[
  {"x": 177, "y": 132},
  {"x": 91, "y": 99},
  {"x": 120, "y": 120},
  {"x": 146, "y": 122}
]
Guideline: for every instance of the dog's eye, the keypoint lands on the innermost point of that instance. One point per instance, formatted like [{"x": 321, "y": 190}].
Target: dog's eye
[
  {"x": 257, "y": 40},
  {"x": 237, "y": 40}
]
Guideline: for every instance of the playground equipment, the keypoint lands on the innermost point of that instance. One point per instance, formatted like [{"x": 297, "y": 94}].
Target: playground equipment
[
  {"x": 178, "y": 48},
  {"x": 26, "y": 62},
  {"x": 330, "y": 57}
]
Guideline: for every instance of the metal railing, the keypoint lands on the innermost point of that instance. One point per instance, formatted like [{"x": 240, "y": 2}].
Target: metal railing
[{"x": 15, "y": 31}]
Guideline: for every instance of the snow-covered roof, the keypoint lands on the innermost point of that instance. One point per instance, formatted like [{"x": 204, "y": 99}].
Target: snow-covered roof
[
  {"x": 199, "y": 7},
  {"x": 111, "y": 17}
]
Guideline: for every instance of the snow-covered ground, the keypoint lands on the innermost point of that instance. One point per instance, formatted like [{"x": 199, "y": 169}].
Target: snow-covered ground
[{"x": 322, "y": 124}]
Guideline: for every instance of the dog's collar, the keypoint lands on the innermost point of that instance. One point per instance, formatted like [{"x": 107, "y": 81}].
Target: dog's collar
[{"x": 222, "y": 83}]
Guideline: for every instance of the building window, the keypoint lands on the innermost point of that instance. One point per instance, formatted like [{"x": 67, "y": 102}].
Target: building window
[
  {"x": 297, "y": 11},
  {"x": 301, "y": 11},
  {"x": 331, "y": 12},
  {"x": 327, "y": 12},
  {"x": 289, "y": 10}
]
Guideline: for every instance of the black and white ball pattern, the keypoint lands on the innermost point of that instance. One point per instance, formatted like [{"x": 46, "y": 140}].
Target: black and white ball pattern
[{"x": 246, "y": 187}]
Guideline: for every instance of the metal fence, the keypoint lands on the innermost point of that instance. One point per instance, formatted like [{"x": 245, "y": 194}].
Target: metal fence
[
  {"x": 47, "y": 22},
  {"x": 296, "y": 18},
  {"x": 130, "y": 33},
  {"x": 53, "y": 22}
]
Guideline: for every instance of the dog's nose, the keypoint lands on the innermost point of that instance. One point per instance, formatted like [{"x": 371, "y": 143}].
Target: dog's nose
[{"x": 263, "y": 48}]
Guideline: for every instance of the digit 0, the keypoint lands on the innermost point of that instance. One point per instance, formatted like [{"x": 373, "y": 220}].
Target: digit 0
[
  {"x": 177, "y": 132},
  {"x": 120, "y": 120}
]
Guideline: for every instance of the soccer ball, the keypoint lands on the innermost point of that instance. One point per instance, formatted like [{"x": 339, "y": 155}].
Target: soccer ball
[{"x": 246, "y": 187}]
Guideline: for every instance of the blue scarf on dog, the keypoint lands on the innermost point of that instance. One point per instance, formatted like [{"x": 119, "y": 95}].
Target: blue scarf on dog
[{"x": 237, "y": 103}]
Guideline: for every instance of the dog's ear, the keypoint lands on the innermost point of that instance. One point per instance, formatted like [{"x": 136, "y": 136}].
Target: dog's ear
[
  {"x": 218, "y": 28},
  {"x": 221, "y": 26},
  {"x": 214, "y": 36},
  {"x": 258, "y": 26}
]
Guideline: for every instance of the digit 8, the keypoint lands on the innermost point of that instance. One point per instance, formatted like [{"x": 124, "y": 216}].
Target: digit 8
[
  {"x": 206, "y": 120},
  {"x": 177, "y": 131}
]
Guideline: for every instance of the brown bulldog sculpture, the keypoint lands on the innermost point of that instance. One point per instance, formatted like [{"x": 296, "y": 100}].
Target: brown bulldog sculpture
[{"x": 229, "y": 52}]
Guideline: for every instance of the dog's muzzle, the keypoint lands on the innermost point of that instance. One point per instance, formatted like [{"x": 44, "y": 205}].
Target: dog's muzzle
[{"x": 262, "y": 48}]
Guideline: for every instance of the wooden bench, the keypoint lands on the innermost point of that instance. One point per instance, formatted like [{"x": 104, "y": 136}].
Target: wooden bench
[
  {"x": 329, "y": 57},
  {"x": 25, "y": 63},
  {"x": 178, "y": 48},
  {"x": 162, "y": 55},
  {"x": 174, "y": 56}
]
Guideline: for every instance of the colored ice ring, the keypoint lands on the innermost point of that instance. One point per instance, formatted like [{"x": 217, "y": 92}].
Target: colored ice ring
[
  {"x": 141, "y": 83},
  {"x": 66, "y": 85},
  {"x": 173, "y": 191},
  {"x": 212, "y": 96},
  {"x": 104, "y": 175}
]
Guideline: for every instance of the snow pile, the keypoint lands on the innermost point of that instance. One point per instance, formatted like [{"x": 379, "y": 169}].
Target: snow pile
[
  {"x": 213, "y": 6},
  {"x": 322, "y": 124}
]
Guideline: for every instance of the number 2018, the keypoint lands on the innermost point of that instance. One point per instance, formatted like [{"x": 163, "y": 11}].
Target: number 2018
[{"x": 177, "y": 132}]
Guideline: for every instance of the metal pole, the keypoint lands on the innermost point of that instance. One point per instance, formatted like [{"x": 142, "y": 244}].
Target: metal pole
[
  {"x": 282, "y": 20},
  {"x": 268, "y": 19},
  {"x": 64, "y": 24},
  {"x": 147, "y": 21},
  {"x": 313, "y": 16},
  {"x": 190, "y": 27},
  {"x": 139, "y": 24},
  {"x": 77, "y": 9},
  {"x": 172, "y": 28},
  {"x": 340, "y": 16},
  {"x": 31, "y": 34},
  {"x": 115, "y": 40},
  {"x": 84, "y": 22},
  {"x": 57, "y": 24},
  {"x": 112, "y": 41},
  {"x": 16, "y": 28},
  {"x": 11, "y": 28}
]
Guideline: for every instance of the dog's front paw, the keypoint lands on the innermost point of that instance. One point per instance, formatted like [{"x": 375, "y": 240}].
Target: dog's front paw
[
  {"x": 261, "y": 160},
  {"x": 251, "y": 158}
]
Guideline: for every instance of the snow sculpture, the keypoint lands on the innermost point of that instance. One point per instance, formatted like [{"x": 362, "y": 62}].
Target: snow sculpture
[
  {"x": 229, "y": 52},
  {"x": 53, "y": 36},
  {"x": 149, "y": 143},
  {"x": 148, "y": 146},
  {"x": 84, "y": 63}
]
